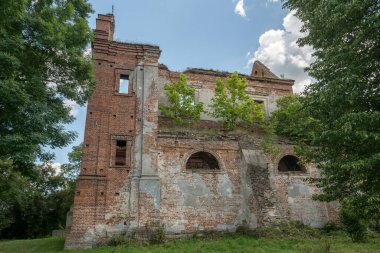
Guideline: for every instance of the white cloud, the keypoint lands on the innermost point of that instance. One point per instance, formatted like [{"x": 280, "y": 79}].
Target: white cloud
[
  {"x": 52, "y": 86},
  {"x": 279, "y": 51},
  {"x": 272, "y": 1},
  {"x": 88, "y": 53},
  {"x": 57, "y": 167},
  {"x": 292, "y": 24},
  {"x": 239, "y": 8},
  {"x": 74, "y": 110}
]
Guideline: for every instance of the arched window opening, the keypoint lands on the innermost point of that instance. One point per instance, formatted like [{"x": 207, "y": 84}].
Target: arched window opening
[
  {"x": 290, "y": 163},
  {"x": 202, "y": 161}
]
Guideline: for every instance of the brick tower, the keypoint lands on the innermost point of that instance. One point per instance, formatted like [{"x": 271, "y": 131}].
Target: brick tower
[{"x": 121, "y": 130}]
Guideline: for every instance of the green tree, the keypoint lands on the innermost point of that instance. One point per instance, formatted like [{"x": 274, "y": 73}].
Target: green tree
[
  {"x": 13, "y": 192},
  {"x": 353, "y": 222},
  {"x": 232, "y": 104},
  {"x": 33, "y": 205},
  {"x": 29, "y": 208},
  {"x": 344, "y": 99},
  {"x": 181, "y": 97},
  {"x": 288, "y": 120},
  {"x": 291, "y": 120},
  {"x": 42, "y": 64},
  {"x": 71, "y": 170}
]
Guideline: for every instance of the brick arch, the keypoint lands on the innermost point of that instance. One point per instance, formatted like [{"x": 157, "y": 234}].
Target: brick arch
[
  {"x": 290, "y": 163},
  {"x": 206, "y": 159}
]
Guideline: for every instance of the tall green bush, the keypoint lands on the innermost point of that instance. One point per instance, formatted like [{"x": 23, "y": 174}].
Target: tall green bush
[
  {"x": 182, "y": 109},
  {"x": 232, "y": 104},
  {"x": 354, "y": 222}
]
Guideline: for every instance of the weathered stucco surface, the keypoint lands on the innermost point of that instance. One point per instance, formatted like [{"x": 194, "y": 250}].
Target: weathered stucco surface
[{"x": 154, "y": 184}]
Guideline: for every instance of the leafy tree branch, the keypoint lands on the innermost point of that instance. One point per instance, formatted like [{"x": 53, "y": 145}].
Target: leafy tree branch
[
  {"x": 182, "y": 108},
  {"x": 232, "y": 104}
]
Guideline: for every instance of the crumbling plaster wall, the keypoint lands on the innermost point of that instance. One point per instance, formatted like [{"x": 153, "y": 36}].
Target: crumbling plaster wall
[
  {"x": 248, "y": 189},
  {"x": 294, "y": 193},
  {"x": 194, "y": 200}
]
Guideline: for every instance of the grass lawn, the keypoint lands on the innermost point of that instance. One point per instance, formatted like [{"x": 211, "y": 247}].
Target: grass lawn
[{"x": 231, "y": 243}]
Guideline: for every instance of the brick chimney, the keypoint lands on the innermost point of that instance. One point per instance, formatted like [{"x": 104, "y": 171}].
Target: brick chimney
[{"x": 105, "y": 26}]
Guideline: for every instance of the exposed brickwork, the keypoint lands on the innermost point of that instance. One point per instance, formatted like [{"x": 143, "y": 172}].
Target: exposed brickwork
[
  {"x": 102, "y": 187},
  {"x": 151, "y": 182}
]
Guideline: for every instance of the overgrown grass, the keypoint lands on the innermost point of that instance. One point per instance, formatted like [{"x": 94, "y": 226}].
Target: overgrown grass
[
  {"x": 52, "y": 244},
  {"x": 337, "y": 243}
]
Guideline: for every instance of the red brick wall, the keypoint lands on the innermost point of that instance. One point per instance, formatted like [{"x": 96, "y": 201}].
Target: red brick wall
[{"x": 110, "y": 115}]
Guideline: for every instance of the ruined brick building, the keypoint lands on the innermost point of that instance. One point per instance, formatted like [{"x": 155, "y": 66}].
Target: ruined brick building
[{"x": 138, "y": 168}]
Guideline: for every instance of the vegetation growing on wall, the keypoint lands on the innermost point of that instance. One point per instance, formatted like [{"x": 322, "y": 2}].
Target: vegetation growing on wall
[
  {"x": 183, "y": 108},
  {"x": 290, "y": 119},
  {"x": 232, "y": 104}
]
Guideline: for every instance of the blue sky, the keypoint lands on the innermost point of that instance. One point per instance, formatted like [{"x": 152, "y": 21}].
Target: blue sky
[{"x": 213, "y": 34}]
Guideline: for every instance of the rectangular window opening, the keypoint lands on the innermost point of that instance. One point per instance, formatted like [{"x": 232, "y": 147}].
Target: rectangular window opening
[
  {"x": 260, "y": 102},
  {"x": 121, "y": 153},
  {"x": 124, "y": 84}
]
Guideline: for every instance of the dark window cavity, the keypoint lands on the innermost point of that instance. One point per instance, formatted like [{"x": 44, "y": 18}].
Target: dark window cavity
[
  {"x": 202, "y": 161},
  {"x": 121, "y": 153},
  {"x": 290, "y": 163}
]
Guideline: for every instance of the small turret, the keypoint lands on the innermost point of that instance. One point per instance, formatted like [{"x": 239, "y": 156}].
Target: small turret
[
  {"x": 260, "y": 70},
  {"x": 105, "y": 27}
]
